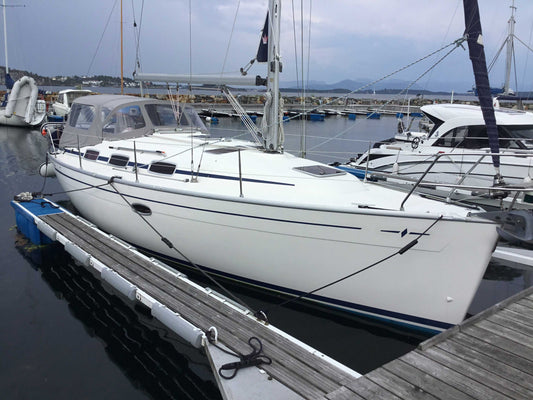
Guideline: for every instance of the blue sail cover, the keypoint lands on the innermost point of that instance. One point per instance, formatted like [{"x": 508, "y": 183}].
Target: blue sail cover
[
  {"x": 477, "y": 56},
  {"x": 262, "y": 51},
  {"x": 9, "y": 82},
  {"x": 9, "y": 85}
]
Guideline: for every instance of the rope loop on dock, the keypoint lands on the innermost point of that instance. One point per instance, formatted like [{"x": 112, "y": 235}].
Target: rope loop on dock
[{"x": 252, "y": 359}]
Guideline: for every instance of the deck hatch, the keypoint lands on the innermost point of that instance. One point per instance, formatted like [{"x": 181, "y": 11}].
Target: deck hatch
[{"x": 320, "y": 170}]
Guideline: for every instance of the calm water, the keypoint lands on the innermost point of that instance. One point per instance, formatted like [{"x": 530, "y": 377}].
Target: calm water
[{"x": 63, "y": 335}]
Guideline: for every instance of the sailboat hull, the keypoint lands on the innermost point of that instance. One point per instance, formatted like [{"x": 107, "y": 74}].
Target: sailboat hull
[{"x": 430, "y": 286}]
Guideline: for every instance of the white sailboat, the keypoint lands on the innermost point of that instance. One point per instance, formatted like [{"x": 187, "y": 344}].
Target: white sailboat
[
  {"x": 21, "y": 107},
  {"x": 145, "y": 171}
]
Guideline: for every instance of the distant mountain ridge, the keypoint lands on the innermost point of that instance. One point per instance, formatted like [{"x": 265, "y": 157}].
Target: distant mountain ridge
[{"x": 386, "y": 85}]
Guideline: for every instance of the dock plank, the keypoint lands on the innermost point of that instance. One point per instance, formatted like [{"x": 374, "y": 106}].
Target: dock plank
[
  {"x": 510, "y": 334},
  {"x": 517, "y": 316},
  {"x": 343, "y": 393},
  {"x": 368, "y": 389},
  {"x": 483, "y": 376},
  {"x": 424, "y": 381},
  {"x": 459, "y": 381},
  {"x": 501, "y": 356},
  {"x": 512, "y": 321},
  {"x": 514, "y": 348},
  {"x": 398, "y": 386},
  {"x": 488, "y": 363}
]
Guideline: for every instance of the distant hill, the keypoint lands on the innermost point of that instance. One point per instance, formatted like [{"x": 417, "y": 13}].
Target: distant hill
[
  {"x": 386, "y": 86},
  {"x": 343, "y": 86},
  {"x": 104, "y": 80}
]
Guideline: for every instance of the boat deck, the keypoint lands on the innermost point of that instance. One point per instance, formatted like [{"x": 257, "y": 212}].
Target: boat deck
[{"x": 489, "y": 356}]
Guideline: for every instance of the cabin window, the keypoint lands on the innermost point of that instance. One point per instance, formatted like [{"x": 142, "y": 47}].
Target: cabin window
[
  {"x": 453, "y": 137},
  {"x": 118, "y": 160},
  {"x": 522, "y": 133},
  {"x": 81, "y": 116},
  {"x": 125, "y": 119},
  {"x": 163, "y": 115},
  {"x": 71, "y": 96},
  {"x": 476, "y": 137},
  {"x": 320, "y": 170},
  {"x": 91, "y": 155},
  {"x": 162, "y": 167}
]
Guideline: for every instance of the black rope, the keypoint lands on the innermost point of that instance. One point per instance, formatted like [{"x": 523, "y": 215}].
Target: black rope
[
  {"x": 40, "y": 194},
  {"x": 171, "y": 246},
  {"x": 399, "y": 252},
  {"x": 252, "y": 359}
]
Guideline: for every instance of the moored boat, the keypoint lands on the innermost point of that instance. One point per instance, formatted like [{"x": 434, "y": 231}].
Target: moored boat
[{"x": 147, "y": 172}]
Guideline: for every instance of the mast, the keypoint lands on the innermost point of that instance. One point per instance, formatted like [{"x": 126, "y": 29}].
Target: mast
[
  {"x": 273, "y": 137},
  {"x": 121, "y": 52},
  {"x": 510, "y": 50},
  {"x": 476, "y": 51},
  {"x": 5, "y": 36}
]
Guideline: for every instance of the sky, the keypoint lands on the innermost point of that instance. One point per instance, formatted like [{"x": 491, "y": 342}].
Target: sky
[{"x": 349, "y": 39}]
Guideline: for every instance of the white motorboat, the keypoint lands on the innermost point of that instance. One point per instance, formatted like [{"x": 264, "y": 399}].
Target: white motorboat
[
  {"x": 145, "y": 171},
  {"x": 65, "y": 98},
  {"x": 458, "y": 137}
]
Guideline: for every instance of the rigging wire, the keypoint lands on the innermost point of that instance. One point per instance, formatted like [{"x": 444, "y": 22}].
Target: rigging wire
[
  {"x": 137, "y": 34},
  {"x": 457, "y": 5},
  {"x": 527, "y": 55},
  {"x": 295, "y": 50},
  {"x": 102, "y": 37},
  {"x": 456, "y": 43},
  {"x": 304, "y": 83},
  {"x": 230, "y": 37}
]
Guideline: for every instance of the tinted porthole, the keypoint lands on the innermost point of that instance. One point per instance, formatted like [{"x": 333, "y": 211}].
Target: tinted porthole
[
  {"x": 162, "y": 168},
  {"x": 91, "y": 155},
  {"x": 118, "y": 160},
  {"x": 141, "y": 209}
]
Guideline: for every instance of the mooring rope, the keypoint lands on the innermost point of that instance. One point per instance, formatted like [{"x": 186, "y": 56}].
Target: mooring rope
[{"x": 252, "y": 359}]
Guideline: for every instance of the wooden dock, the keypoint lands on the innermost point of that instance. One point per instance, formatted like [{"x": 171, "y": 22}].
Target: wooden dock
[
  {"x": 489, "y": 356},
  {"x": 297, "y": 371}
]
